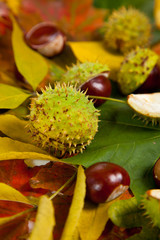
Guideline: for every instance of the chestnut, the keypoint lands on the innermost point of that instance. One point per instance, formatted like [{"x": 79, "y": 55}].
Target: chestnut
[
  {"x": 106, "y": 181},
  {"x": 152, "y": 83},
  {"x": 99, "y": 86},
  {"x": 156, "y": 173},
  {"x": 46, "y": 38}
]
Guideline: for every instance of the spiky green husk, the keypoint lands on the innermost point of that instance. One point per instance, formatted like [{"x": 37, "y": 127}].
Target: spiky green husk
[
  {"x": 63, "y": 120},
  {"x": 151, "y": 206},
  {"x": 146, "y": 120},
  {"x": 126, "y": 29},
  {"x": 80, "y": 73},
  {"x": 135, "y": 69}
]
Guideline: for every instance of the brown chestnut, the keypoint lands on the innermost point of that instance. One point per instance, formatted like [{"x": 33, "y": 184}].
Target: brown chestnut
[
  {"x": 46, "y": 38},
  {"x": 99, "y": 86},
  {"x": 156, "y": 173},
  {"x": 106, "y": 181},
  {"x": 152, "y": 83}
]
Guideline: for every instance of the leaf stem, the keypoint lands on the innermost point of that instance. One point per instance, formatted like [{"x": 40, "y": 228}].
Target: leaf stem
[
  {"x": 107, "y": 98},
  {"x": 62, "y": 187}
]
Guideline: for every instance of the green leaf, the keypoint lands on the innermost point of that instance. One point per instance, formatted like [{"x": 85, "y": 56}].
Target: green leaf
[
  {"x": 11, "y": 97},
  {"x": 124, "y": 141},
  {"x": 45, "y": 220},
  {"x": 119, "y": 3},
  {"x": 11, "y": 149},
  {"x": 29, "y": 63},
  {"x": 126, "y": 213}
]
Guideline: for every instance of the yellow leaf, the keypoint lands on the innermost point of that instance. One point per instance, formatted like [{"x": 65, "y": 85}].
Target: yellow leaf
[
  {"x": 14, "y": 128},
  {"x": 93, "y": 220},
  {"x": 157, "y": 13},
  {"x": 86, "y": 219},
  {"x": 95, "y": 51},
  {"x": 76, "y": 206},
  {"x": 76, "y": 235},
  {"x": 11, "y": 149},
  {"x": 11, "y": 97},
  {"x": 14, "y": 5},
  {"x": 6, "y": 79},
  {"x": 45, "y": 220},
  {"x": 10, "y": 194},
  {"x": 29, "y": 63}
]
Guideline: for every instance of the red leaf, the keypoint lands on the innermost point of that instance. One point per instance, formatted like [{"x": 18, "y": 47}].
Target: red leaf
[
  {"x": 61, "y": 205},
  {"x": 52, "y": 176},
  {"x": 18, "y": 228},
  {"x": 78, "y": 19},
  {"x": 16, "y": 174},
  {"x": 8, "y": 208}
]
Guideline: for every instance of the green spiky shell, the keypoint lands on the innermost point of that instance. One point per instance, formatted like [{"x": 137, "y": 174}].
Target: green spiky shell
[
  {"x": 151, "y": 206},
  {"x": 126, "y": 29},
  {"x": 63, "y": 120},
  {"x": 135, "y": 69},
  {"x": 80, "y": 73}
]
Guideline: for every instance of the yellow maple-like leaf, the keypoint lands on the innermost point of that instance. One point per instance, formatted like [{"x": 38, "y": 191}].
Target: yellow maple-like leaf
[
  {"x": 45, "y": 220},
  {"x": 93, "y": 220},
  {"x": 76, "y": 206},
  {"x": 10, "y": 194},
  {"x": 157, "y": 13},
  {"x": 95, "y": 51},
  {"x": 12, "y": 149}
]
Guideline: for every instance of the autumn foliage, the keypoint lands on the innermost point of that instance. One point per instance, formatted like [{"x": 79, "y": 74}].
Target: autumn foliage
[{"x": 50, "y": 197}]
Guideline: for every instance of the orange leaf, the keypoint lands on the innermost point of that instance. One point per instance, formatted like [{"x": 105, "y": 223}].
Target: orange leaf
[
  {"x": 79, "y": 19},
  {"x": 16, "y": 174}
]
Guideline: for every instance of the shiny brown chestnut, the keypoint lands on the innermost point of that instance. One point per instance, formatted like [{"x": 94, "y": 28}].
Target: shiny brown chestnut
[
  {"x": 152, "y": 83},
  {"x": 156, "y": 173},
  {"x": 99, "y": 86},
  {"x": 106, "y": 181},
  {"x": 46, "y": 38}
]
